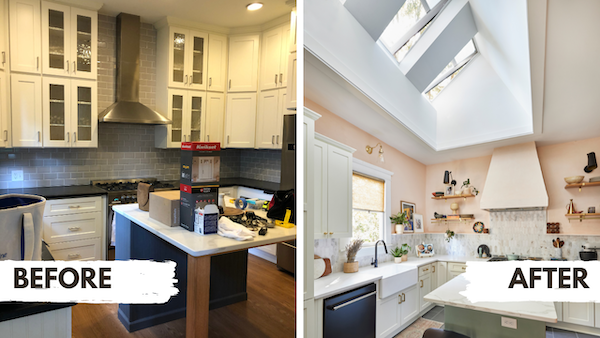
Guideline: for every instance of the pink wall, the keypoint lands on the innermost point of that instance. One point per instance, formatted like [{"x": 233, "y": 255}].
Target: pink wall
[
  {"x": 408, "y": 181},
  {"x": 474, "y": 169},
  {"x": 568, "y": 159}
]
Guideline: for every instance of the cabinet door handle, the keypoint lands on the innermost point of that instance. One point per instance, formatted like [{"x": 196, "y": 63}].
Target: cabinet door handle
[
  {"x": 272, "y": 139},
  {"x": 74, "y": 68},
  {"x": 277, "y": 139},
  {"x": 67, "y": 66},
  {"x": 3, "y": 57},
  {"x": 229, "y": 84},
  {"x": 186, "y": 80},
  {"x": 421, "y": 283},
  {"x": 331, "y": 233},
  {"x": 74, "y": 206},
  {"x": 433, "y": 267},
  {"x": 70, "y": 256},
  {"x": 399, "y": 299},
  {"x": 281, "y": 78},
  {"x": 74, "y": 136},
  {"x": 425, "y": 270},
  {"x": 464, "y": 267},
  {"x": 209, "y": 82},
  {"x": 6, "y": 135},
  {"x": 39, "y": 136},
  {"x": 74, "y": 228},
  {"x": 275, "y": 79},
  {"x": 227, "y": 139},
  {"x": 324, "y": 233},
  {"x": 403, "y": 298},
  {"x": 68, "y": 138},
  {"x": 37, "y": 63},
  {"x": 207, "y": 138}
]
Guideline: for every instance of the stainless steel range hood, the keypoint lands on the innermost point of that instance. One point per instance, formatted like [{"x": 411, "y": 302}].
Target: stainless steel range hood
[{"x": 128, "y": 109}]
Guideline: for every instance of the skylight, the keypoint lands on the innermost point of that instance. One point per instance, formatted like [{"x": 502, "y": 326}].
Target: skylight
[
  {"x": 451, "y": 70},
  {"x": 408, "y": 25}
]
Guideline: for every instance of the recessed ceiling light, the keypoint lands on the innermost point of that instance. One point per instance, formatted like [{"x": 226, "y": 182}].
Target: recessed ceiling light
[{"x": 254, "y": 6}]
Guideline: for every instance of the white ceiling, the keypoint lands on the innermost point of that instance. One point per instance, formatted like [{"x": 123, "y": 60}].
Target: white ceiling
[
  {"x": 564, "y": 85},
  {"x": 224, "y": 13}
]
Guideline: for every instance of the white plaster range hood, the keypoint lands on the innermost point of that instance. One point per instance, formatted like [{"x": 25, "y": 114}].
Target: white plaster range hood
[{"x": 514, "y": 179}]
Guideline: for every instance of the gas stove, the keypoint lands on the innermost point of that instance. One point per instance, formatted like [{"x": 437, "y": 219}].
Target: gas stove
[{"x": 125, "y": 191}]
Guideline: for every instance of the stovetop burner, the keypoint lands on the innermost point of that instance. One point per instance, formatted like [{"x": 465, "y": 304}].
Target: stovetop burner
[{"x": 130, "y": 185}]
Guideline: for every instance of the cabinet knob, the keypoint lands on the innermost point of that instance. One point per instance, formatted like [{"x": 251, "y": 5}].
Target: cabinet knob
[
  {"x": 324, "y": 233},
  {"x": 331, "y": 233}
]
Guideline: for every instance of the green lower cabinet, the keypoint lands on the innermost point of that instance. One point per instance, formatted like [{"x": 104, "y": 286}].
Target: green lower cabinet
[{"x": 478, "y": 324}]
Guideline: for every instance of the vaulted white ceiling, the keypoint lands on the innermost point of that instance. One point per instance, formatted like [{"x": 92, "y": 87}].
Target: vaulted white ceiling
[{"x": 524, "y": 86}]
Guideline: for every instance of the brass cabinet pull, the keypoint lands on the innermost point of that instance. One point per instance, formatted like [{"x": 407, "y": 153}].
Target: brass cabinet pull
[
  {"x": 74, "y": 228},
  {"x": 331, "y": 233},
  {"x": 324, "y": 233},
  {"x": 74, "y": 206},
  {"x": 403, "y": 298},
  {"x": 399, "y": 299},
  {"x": 421, "y": 282},
  {"x": 426, "y": 270},
  {"x": 464, "y": 267}
]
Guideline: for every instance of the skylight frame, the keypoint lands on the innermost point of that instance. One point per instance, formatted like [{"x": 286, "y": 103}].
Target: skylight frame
[
  {"x": 417, "y": 27},
  {"x": 440, "y": 78}
]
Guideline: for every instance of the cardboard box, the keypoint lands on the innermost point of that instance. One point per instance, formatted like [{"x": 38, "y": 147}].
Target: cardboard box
[
  {"x": 199, "y": 182},
  {"x": 206, "y": 220},
  {"x": 165, "y": 207}
]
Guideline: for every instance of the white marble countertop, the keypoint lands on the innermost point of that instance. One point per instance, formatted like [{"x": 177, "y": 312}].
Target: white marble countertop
[
  {"x": 200, "y": 245},
  {"x": 339, "y": 282},
  {"x": 449, "y": 294}
]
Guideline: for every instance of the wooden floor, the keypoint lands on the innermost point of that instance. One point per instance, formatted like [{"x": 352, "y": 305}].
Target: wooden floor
[{"x": 268, "y": 312}]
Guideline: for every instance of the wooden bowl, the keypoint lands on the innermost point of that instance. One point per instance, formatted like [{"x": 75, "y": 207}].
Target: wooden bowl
[{"x": 574, "y": 179}]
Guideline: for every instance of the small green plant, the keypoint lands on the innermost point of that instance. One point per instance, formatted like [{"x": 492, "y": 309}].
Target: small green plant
[
  {"x": 399, "y": 218},
  {"x": 352, "y": 249},
  {"x": 449, "y": 235},
  {"x": 466, "y": 183},
  {"x": 399, "y": 252}
]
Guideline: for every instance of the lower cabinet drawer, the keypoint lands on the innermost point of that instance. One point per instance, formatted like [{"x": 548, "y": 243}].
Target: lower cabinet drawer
[
  {"x": 69, "y": 206},
  {"x": 425, "y": 269},
  {"x": 86, "y": 250},
  {"x": 457, "y": 267},
  {"x": 72, "y": 227}
]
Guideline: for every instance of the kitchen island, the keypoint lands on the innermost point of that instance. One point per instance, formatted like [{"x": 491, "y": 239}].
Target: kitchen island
[
  {"x": 140, "y": 237},
  {"x": 484, "y": 319}
]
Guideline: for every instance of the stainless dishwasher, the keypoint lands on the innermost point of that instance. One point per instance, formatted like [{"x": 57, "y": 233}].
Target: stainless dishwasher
[{"x": 351, "y": 314}]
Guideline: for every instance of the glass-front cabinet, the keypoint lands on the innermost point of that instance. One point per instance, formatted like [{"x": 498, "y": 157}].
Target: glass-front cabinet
[
  {"x": 70, "y": 115},
  {"x": 69, "y": 41},
  {"x": 187, "y": 59},
  {"x": 186, "y": 111}
]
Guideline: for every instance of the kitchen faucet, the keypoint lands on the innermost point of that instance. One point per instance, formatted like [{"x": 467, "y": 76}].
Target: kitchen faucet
[{"x": 374, "y": 261}]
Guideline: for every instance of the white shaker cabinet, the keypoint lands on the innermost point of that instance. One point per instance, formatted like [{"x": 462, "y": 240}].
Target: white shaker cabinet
[
  {"x": 69, "y": 41},
  {"x": 333, "y": 188},
  {"x": 181, "y": 58},
  {"x": 578, "y": 313},
  {"x": 240, "y": 120},
  {"x": 3, "y": 35},
  {"x": 441, "y": 271},
  {"x": 269, "y": 121},
  {"x": 25, "y": 37},
  {"x": 290, "y": 102},
  {"x": 395, "y": 311},
  {"x": 26, "y": 110},
  {"x": 274, "y": 58},
  {"x": 4, "y": 121},
  {"x": 424, "y": 285},
  {"x": 217, "y": 62},
  {"x": 185, "y": 109},
  {"x": 215, "y": 113},
  {"x": 70, "y": 113},
  {"x": 243, "y": 63}
]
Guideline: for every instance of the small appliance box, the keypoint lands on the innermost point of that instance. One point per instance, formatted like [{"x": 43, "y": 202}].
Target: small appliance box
[
  {"x": 199, "y": 184},
  {"x": 165, "y": 207}
]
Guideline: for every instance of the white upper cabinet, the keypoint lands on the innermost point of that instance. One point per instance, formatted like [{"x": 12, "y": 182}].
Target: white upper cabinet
[
  {"x": 240, "y": 124},
  {"x": 217, "y": 62},
  {"x": 4, "y": 128},
  {"x": 215, "y": 113},
  {"x": 25, "y": 42},
  {"x": 293, "y": 30},
  {"x": 3, "y": 37},
  {"x": 83, "y": 54},
  {"x": 26, "y": 110},
  {"x": 70, "y": 115},
  {"x": 274, "y": 58},
  {"x": 56, "y": 39},
  {"x": 243, "y": 63},
  {"x": 182, "y": 58},
  {"x": 269, "y": 120},
  {"x": 290, "y": 102},
  {"x": 186, "y": 111}
]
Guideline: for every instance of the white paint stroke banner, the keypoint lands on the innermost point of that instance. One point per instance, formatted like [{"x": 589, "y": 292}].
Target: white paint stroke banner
[
  {"x": 544, "y": 281},
  {"x": 127, "y": 282}
]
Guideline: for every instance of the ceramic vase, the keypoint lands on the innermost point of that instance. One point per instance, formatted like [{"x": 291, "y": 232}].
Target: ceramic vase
[
  {"x": 558, "y": 252},
  {"x": 399, "y": 228},
  {"x": 398, "y": 259}
]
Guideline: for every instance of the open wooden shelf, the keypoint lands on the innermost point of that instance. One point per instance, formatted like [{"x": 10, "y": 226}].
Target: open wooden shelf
[
  {"x": 451, "y": 197},
  {"x": 582, "y": 185},
  {"x": 443, "y": 220},
  {"x": 582, "y": 216}
]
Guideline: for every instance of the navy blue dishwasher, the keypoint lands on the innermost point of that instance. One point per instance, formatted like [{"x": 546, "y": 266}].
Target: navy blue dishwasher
[{"x": 351, "y": 314}]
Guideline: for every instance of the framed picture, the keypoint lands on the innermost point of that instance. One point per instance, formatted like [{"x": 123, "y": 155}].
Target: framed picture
[
  {"x": 410, "y": 209},
  {"x": 418, "y": 223},
  {"x": 449, "y": 191},
  {"x": 408, "y": 227}
]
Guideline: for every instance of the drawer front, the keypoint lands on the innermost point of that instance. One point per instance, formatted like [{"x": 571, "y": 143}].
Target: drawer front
[
  {"x": 68, "y": 206},
  {"x": 425, "y": 270},
  {"x": 457, "y": 267},
  {"x": 86, "y": 250},
  {"x": 72, "y": 227}
]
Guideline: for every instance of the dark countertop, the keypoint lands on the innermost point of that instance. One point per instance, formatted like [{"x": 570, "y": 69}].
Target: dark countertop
[
  {"x": 267, "y": 187},
  {"x": 13, "y": 310},
  {"x": 58, "y": 192}
]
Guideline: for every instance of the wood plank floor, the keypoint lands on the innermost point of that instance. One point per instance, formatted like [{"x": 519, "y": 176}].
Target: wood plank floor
[{"x": 268, "y": 312}]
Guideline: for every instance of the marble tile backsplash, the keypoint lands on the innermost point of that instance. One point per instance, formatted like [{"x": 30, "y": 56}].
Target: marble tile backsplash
[{"x": 518, "y": 232}]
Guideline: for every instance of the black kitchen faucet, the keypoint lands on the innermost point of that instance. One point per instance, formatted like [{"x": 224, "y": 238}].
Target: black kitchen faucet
[{"x": 374, "y": 261}]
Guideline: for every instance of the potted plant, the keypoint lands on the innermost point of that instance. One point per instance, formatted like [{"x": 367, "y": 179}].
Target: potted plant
[
  {"x": 401, "y": 254},
  {"x": 449, "y": 235},
  {"x": 399, "y": 219},
  {"x": 351, "y": 265}
]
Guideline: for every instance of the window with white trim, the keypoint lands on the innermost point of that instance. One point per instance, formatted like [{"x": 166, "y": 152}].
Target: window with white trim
[{"x": 368, "y": 207}]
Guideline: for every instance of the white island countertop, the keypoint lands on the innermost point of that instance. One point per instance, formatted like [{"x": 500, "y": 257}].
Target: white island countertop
[
  {"x": 200, "y": 245},
  {"x": 449, "y": 294}
]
